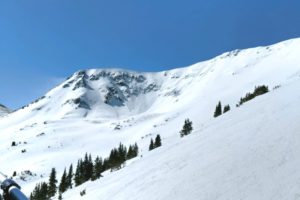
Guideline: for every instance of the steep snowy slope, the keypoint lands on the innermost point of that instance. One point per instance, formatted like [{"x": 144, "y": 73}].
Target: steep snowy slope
[
  {"x": 251, "y": 152},
  {"x": 4, "y": 110},
  {"x": 94, "y": 110}
]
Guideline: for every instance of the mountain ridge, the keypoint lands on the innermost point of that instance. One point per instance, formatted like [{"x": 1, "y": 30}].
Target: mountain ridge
[
  {"x": 74, "y": 117},
  {"x": 4, "y": 110}
]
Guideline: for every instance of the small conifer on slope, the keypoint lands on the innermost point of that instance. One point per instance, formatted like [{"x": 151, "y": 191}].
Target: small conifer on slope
[{"x": 187, "y": 128}]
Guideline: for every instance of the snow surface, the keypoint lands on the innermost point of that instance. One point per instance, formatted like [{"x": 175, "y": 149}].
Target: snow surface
[{"x": 251, "y": 152}]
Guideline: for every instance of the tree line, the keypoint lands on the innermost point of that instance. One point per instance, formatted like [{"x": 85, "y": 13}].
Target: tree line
[{"x": 86, "y": 169}]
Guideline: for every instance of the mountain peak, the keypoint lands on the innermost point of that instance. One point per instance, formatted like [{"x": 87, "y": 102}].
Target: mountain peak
[
  {"x": 116, "y": 92},
  {"x": 96, "y": 109}
]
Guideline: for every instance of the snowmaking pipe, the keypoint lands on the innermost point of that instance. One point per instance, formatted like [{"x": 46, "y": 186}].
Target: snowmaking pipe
[{"x": 11, "y": 190}]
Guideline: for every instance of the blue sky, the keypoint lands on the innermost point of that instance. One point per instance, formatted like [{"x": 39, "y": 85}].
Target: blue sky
[{"x": 44, "y": 41}]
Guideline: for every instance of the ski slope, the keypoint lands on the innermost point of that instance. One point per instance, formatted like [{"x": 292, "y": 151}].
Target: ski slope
[{"x": 247, "y": 153}]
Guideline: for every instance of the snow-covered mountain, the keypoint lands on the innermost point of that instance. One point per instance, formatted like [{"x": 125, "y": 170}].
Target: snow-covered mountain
[
  {"x": 250, "y": 152},
  {"x": 4, "y": 110}
]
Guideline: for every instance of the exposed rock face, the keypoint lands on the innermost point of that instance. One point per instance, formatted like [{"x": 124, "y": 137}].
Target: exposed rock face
[
  {"x": 4, "y": 110},
  {"x": 115, "y": 88}
]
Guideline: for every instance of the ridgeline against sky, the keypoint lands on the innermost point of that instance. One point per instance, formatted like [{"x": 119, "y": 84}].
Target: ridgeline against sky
[{"x": 42, "y": 42}]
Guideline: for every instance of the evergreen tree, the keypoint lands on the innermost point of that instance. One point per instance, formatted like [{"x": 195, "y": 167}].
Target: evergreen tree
[
  {"x": 52, "y": 183},
  {"x": 135, "y": 150},
  {"x": 78, "y": 177},
  {"x": 40, "y": 192},
  {"x": 36, "y": 193},
  {"x": 63, "y": 183},
  {"x": 130, "y": 153},
  {"x": 89, "y": 168},
  {"x": 226, "y": 108},
  {"x": 218, "y": 110},
  {"x": 151, "y": 146},
  {"x": 187, "y": 128},
  {"x": 84, "y": 169},
  {"x": 261, "y": 89},
  {"x": 122, "y": 153},
  {"x": 105, "y": 164},
  {"x": 44, "y": 190},
  {"x": 258, "y": 90},
  {"x": 70, "y": 177},
  {"x": 98, "y": 168},
  {"x": 113, "y": 159},
  {"x": 157, "y": 142}
]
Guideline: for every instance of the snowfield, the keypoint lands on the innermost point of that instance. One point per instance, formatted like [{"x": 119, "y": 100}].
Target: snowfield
[{"x": 250, "y": 152}]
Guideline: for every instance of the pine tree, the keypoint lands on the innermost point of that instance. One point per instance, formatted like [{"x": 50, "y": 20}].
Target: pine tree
[
  {"x": 40, "y": 192},
  {"x": 113, "y": 159},
  {"x": 78, "y": 178},
  {"x": 106, "y": 164},
  {"x": 36, "y": 194},
  {"x": 63, "y": 183},
  {"x": 258, "y": 90},
  {"x": 85, "y": 167},
  {"x": 44, "y": 190},
  {"x": 122, "y": 153},
  {"x": 97, "y": 169},
  {"x": 151, "y": 146},
  {"x": 226, "y": 108},
  {"x": 130, "y": 153},
  {"x": 187, "y": 128},
  {"x": 89, "y": 168},
  {"x": 157, "y": 142},
  {"x": 135, "y": 150},
  {"x": 218, "y": 110},
  {"x": 70, "y": 177},
  {"x": 52, "y": 183}
]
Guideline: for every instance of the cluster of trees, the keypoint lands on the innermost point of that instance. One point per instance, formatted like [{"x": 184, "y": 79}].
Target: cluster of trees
[
  {"x": 156, "y": 143},
  {"x": 45, "y": 190},
  {"x": 218, "y": 110},
  {"x": 187, "y": 128},
  {"x": 66, "y": 180},
  {"x": 40, "y": 192},
  {"x": 89, "y": 169},
  {"x": 86, "y": 170},
  {"x": 258, "y": 90},
  {"x": 119, "y": 155}
]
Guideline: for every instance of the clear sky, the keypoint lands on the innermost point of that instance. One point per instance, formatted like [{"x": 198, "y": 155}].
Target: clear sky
[{"x": 44, "y": 41}]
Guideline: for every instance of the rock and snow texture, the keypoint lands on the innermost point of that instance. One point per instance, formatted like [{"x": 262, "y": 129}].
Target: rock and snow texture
[
  {"x": 4, "y": 110},
  {"x": 251, "y": 152}
]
